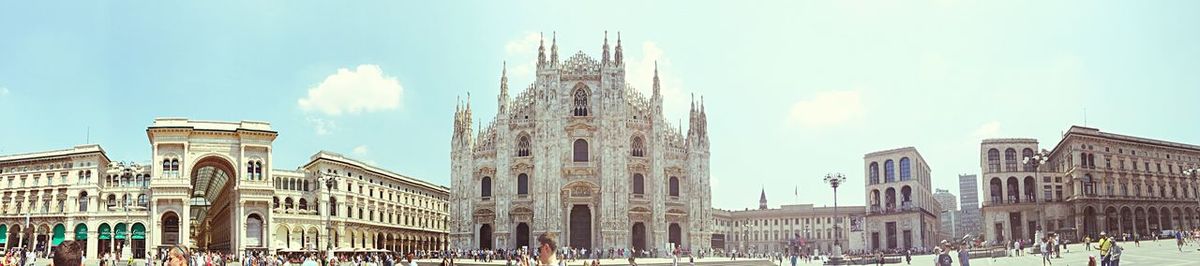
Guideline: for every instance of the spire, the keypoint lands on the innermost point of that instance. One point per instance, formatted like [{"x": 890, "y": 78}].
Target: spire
[
  {"x": 541, "y": 50},
  {"x": 604, "y": 57},
  {"x": 656, "y": 84},
  {"x": 554, "y": 48},
  {"x": 502, "y": 99},
  {"x": 762, "y": 200},
  {"x": 618, "y": 56}
]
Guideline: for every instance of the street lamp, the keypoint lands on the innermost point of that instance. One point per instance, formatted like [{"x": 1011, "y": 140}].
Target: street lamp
[
  {"x": 1036, "y": 161},
  {"x": 835, "y": 180},
  {"x": 330, "y": 183}
]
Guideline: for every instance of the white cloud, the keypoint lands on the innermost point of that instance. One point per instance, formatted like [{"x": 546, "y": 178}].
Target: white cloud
[
  {"x": 361, "y": 150},
  {"x": 987, "y": 130},
  {"x": 322, "y": 126},
  {"x": 3, "y": 91},
  {"x": 521, "y": 53},
  {"x": 639, "y": 73},
  {"x": 827, "y": 108},
  {"x": 364, "y": 89}
]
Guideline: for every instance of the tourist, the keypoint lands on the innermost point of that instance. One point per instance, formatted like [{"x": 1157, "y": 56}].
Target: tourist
[
  {"x": 1087, "y": 243},
  {"x": 908, "y": 256},
  {"x": 1179, "y": 240},
  {"x": 1115, "y": 254},
  {"x": 546, "y": 248},
  {"x": 178, "y": 256},
  {"x": 67, "y": 254},
  {"x": 943, "y": 254},
  {"x": 1105, "y": 245},
  {"x": 1046, "y": 249}
]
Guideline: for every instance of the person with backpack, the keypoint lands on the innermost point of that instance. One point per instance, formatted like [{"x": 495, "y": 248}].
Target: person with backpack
[{"x": 943, "y": 254}]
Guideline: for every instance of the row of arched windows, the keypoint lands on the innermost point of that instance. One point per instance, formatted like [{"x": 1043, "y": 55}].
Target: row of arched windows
[
  {"x": 1011, "y": 161},
  {"x": 637, "y": 148},
  {"x": 639, "y": 186},
  {"x": 889, "y": 171},
  {"x": 254, "y": 170},
  {"x": 170, "y": 167},
  {"x": 294, "y": 184}
]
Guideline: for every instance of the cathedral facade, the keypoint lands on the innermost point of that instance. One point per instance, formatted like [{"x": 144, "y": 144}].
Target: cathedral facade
[{"x": 582, "y": 154}]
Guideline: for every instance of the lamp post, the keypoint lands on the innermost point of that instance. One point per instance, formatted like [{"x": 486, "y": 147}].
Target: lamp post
[
  {"x": 835, "y": 180},
  {"x": 1036, "y": 161},
  {"x": 329, "y": 184},
  {"x": 125, "y": 251}
]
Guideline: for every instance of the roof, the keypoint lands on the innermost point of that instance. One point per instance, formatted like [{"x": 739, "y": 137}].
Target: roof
[
  {"x": 1094, "y": 132},
  {"x": 337, "y": 157},
  {"x": 179, "y": 122},
  {"x": 78, "y": 149}
]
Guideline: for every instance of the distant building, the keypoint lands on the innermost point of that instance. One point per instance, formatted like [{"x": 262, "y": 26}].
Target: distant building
[
  {"x": 968, "y": 218},
  {"x": 949, "y": 212}
]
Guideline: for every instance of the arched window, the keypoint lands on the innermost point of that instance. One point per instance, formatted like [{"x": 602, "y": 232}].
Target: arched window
[
  {"x": 889, "y": 171},
  {"x": 288, "y": 204},
  {"x": 112, "y": 200},
  {"x": 166, "y": 167},
  {"x": 175, "y": 166},
  {"x": 523, "y": 146},
  {"x": 1010, "y": 160},
  {"x": 674, "y": 186},
  {"x": 258, "y": 170},
  {"x": 83, "y": 201},
  {"x": 905, "y": 169},
  {"x": 522, "y": 184},
  {"x": 303, "y": 204},
  {"x": 638, "y": 147},
  {"x": 1027, "y": 153},
  {"x": 143, "y": 201},
  {"x": 581, "y": 100},
  {"x": 580, "y": 150},
  {"x": 873, "y": 173},
  {"x": 485, "y": 187},
  {"x": 275, "y": 200},
  {"x": 993, "y": 160},
  {"x": 250, "y": 170},
  {"x": 639, "y": 184},
  {"x": 306, "y": 185}
]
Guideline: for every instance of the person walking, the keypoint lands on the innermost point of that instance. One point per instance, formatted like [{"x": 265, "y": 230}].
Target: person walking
[
  {"x": 1046, "y": 249},
  {"x": 1105, "y": 245},
  {"x": 1115, "y": 254}
]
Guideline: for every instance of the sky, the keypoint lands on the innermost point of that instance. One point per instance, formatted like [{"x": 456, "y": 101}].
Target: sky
[{"x": 793, "y": 89}]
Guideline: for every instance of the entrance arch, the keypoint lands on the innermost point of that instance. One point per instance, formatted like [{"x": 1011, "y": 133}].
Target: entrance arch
[
  {"x": 210, "y": 178},
  {"x": 639, "y": 236},
  {"x": 170, "y": 228},
  {"x": 485, "y": 236},
  {"x": 581, "y": 227},
  {"x": 675, "y": 236},
  {"x": 522, "y": 236}
]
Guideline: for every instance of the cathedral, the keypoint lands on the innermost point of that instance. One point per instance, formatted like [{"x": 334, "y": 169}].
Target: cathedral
[{"x": 582, "y": 154}]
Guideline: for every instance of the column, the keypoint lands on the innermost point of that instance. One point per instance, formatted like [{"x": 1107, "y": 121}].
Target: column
[{"x": 93, "y": 242}]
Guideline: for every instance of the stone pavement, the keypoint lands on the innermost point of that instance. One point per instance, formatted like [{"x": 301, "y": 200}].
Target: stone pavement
[{"x": 1160, "y": 253}]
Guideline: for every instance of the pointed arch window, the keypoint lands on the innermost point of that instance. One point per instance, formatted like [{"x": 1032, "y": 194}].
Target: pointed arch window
[
  {"x": 638, "y": 147},
  {"x": 581, "y": 101},
  {"x": 523, "y": 146}
]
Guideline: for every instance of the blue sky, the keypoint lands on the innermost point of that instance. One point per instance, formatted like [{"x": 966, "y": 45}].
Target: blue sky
[{"x": 793, "y": 89}]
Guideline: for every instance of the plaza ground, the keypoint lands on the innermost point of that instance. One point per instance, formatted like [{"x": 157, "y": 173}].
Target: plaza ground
[{"x": 1160, "y": 253}]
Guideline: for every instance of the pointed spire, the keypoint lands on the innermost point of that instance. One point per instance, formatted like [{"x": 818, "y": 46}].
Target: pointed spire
[
  {"x": 762, "y": 199},
  {"x": 541, "y": 49},
  {"x": 619, "y": 57},
  {"x": 604, "y": 56},
  {"x": 554, "y": 48},
  {"x": 656, "y": 84}
]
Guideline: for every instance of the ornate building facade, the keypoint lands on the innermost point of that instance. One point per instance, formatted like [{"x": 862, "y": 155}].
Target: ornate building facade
[
  {"x": 583, "y": 154},
  {"x": 1095, "y": 182},
  {"x": 773, "y": 230},
  {"x": 211, "y": 186},
  {"x": 902, "y": 212}
]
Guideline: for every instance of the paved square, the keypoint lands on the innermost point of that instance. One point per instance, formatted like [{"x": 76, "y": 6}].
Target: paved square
[{"x": 1156, "y": 253}]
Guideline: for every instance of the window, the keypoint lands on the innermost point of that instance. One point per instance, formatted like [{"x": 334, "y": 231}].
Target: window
[
  {"x": 639, "y": 185},
  {"x": 1028, "y": 153},
  {"x": 581, "y": 100},
  {"x": 1010, "y": 160},
  {"x": 889, "y": 174},
  {"x": 485, "y": 187},
  {"x": 523, "y": 146},
  {"x": 83, "y": 201},
  {"x": 905, "y": 169},
  {"x": 638, "y": 147},
  {"x": 522, "y": 184},
  {"x": 581, "y": 150},
  {"x": 673, "y": 186},
  {"x": 873, "y": 173},
  {"x": 333, "y": 206}
]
